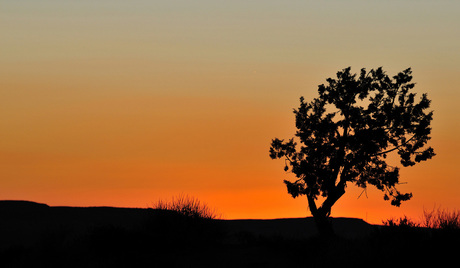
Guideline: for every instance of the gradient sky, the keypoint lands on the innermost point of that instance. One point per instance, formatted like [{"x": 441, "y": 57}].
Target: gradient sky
[{"x": 122, "y": 103}]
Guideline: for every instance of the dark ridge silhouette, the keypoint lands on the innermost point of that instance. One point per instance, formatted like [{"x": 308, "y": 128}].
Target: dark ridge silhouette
[
  {"x": 298, "y": 228},
  {"x": 20, "y": 204},
  {"x": 37, "y": 235}
]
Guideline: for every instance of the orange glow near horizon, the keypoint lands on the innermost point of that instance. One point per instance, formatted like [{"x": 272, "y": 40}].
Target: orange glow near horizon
[{"x": 116, "y": 104}]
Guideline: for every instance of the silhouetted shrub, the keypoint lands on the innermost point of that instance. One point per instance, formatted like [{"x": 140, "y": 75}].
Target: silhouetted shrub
[
  {"x": 403, "y": 222},
  {"x": 441, "y": 219},
  {"x": 187, "y": 206},
  {"x": 434, "y": 219}
]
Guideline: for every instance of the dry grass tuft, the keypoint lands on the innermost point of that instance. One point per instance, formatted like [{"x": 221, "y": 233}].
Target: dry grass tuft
[
  {"x": 441, "y": 219},
  {"x": 435, "y": 219},
  {"x": 187, "y": 206}
]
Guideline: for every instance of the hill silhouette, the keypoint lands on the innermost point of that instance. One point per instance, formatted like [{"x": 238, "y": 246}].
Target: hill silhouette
[
  {"x": 39, "y": 235},
  {"x": 24, "y": 221}
]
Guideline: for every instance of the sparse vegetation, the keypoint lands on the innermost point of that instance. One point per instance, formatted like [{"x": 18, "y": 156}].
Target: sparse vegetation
[
  {"x": 401, "y": 222},
  {"x": 187, "y": 206},
  {"x": 441, "y": 219},
  {"x": 435, "y": 219}
]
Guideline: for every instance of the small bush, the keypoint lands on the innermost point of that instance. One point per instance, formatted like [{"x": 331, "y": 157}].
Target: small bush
[
  {"x": 441, "y": 219},
  {"x": 187, "y": 206},
  {"x": 434, "y": 219},
  {"x": 401, "y": 222}
]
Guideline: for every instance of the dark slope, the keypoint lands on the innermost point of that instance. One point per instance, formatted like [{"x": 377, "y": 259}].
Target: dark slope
[
  {"x": 36, "y": 235},
  {"x": 297, "y": 228},
  {"x": 22, "y": 222},
  {"x": 25, "y": 223}
]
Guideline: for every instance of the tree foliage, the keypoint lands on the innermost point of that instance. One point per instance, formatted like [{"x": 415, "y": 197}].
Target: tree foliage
[{"x": 346, "y": 133}]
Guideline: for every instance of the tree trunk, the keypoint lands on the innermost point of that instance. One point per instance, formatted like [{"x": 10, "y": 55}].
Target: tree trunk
[
  {"x": 321, "y": 217},
  {"x": 321, "y": 214},
  {"x": 323, "y": 225}
]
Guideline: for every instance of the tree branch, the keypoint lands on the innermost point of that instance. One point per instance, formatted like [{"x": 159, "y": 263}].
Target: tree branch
[
  {"x": 289, "y": 159},
  {"x": 312, "y": 205},
  {"x": 395, "y": 148}
]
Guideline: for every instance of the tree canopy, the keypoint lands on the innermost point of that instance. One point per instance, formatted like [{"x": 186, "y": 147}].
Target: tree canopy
[{"x": 346, "y": 133}]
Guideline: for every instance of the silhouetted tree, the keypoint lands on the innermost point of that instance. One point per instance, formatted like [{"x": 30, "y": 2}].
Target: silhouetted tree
[{"x": 346, "y": 134}]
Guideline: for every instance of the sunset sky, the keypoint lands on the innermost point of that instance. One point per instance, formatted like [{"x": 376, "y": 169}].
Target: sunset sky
[{"x": 122, "y": 103}]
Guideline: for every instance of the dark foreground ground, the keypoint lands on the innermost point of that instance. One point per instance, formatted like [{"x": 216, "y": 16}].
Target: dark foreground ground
[{"x": 36, "y": 235}]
